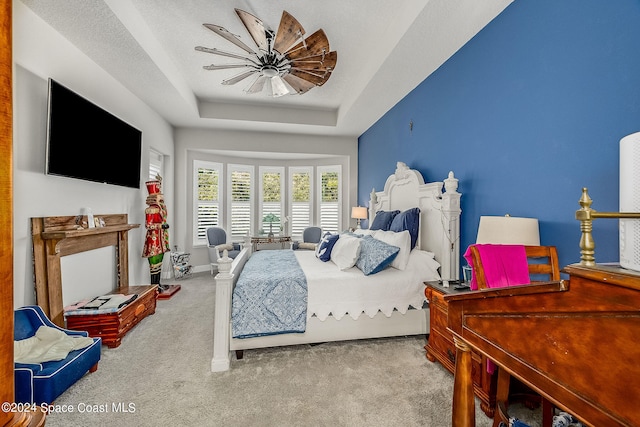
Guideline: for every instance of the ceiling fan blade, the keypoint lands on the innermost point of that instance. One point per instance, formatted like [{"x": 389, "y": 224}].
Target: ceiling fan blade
[
  {"x": 317, "y": 62},
  {"x": 316, "y": 79},
  {"x": 299, "y": 85},
  {"x": 316, "y": 44},
  {"x": 257, "y": 85},
  {"x": 223, "y": 53},
  {"x": 224, "y": 33},
  {"x": 289, "y": 32},
  {"x": 239, "y": 77},
  {"x": 225, "y": 66},
  {"x": 256, "y": 29},
  {"x": 278, "y": 88}
]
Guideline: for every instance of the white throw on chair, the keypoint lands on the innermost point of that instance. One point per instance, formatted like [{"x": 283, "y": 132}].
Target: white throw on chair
[{"x": 217, "y": 243}]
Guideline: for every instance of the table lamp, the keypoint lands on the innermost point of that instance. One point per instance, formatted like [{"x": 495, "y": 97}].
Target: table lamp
[
  {"x": 359, "y": 213},
  {"x": 508, "y": 230}
]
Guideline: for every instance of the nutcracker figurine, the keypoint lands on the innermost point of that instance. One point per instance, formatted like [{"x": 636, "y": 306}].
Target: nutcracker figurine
[{"x": 156, "y": 242}]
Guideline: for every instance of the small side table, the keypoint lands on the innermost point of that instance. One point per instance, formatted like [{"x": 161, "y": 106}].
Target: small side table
[
  {"x": 441, "y": 347},
  {"x": 261, "y": 240}
]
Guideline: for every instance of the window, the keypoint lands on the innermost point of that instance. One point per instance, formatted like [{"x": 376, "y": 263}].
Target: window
[
  {"x": 238, "y": 197},
  {"x": 156, "y": 164},
  {"x": 330, "y": 198},
  {"x": 240, "y": 191},
  {"x": 271, "y": 198},
  {"x": 207, "y": 194},
  {"x": 300, "y": 199}
]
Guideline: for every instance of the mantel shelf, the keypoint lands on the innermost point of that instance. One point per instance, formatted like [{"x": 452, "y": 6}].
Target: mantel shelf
[{"x": 74, "y": 232}]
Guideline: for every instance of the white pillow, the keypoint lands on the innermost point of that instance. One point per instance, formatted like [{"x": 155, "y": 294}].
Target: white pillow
[
  {"x": 346, "y": 251},
  {"x": 222, "y": 247},
  {"x": 365, "y": 232},
  {"x": 306, "y": 245},
  {"x": 401, "y": 239}
]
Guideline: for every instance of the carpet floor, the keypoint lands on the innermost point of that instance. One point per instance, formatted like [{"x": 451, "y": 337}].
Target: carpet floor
[{"x": 160, "y": 376}]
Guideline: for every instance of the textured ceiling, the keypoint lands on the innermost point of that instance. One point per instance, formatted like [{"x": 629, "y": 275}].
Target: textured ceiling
[{"x": 385, "y": 49}]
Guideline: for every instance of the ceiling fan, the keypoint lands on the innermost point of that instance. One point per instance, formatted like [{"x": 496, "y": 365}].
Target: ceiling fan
[{"x": 285, "y": 62}]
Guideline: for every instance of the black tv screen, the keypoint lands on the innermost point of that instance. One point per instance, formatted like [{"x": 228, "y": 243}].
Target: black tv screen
[{"x": 86, "y": 142}]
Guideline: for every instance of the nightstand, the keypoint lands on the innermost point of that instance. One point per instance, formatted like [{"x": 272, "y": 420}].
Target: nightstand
[{"x": 440, "y": 347}]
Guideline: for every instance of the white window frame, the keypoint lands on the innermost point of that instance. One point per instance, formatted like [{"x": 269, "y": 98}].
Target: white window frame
[
  {"x": 156, "y": 164},
  {"x": 318, "y": 193},
  {"x": 229, "y": 203},
  {"x": 201, "y": 164},
  {"x": 283, "y": 194},
  {"x": 312, "y": 215}
]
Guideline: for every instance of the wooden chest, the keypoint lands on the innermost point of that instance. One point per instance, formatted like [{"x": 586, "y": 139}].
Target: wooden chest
[
  {"x": 441, "y": 348},
  {"x": 111, "y": 327}
]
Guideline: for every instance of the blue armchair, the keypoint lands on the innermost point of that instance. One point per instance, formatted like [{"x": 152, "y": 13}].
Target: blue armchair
[{"x": 43, "y": 382}]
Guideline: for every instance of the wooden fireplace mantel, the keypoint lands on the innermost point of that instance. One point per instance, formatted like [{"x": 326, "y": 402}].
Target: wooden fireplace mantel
[{"x": 58, "y": 236}]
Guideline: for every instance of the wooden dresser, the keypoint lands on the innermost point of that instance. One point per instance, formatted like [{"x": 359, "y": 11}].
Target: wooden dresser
[
  {"x": 111, "y": 327},
  {"x": 441, "y": 347}
]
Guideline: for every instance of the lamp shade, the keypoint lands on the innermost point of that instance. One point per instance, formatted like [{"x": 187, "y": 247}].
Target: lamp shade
[
  {"x": 359, "y": 212},
  {"x": 508, "y": 230}
]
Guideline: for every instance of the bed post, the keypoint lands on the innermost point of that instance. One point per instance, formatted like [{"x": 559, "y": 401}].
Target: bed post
[
  {"x": 373, "y": 201},
  {"x": 224, "y": 286},
  {"x": 451, "y": 212}
]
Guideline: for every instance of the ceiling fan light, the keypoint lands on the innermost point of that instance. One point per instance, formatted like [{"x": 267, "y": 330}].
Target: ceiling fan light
[{"x": 270, "y": 71}]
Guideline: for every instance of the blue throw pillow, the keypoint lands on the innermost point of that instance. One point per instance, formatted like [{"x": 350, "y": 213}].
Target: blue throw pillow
[
  {"x": 375, "y": 255},
  {"x": 407, "y": 220},
  {"x": 383, "y": 220},
  {"x": 326, "y": 246}
]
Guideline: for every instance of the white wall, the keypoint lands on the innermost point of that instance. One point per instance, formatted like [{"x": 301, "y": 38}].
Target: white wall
[
  {"x": 39, "y": 53},
  {"x": 198, "y": 144}
]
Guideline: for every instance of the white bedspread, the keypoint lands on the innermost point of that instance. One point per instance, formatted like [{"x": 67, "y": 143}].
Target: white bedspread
[{"x": 336, "y": 292}]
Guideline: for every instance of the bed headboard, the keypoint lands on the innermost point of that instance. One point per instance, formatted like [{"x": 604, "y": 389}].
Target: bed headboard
[{"x": 439, "y": 213}]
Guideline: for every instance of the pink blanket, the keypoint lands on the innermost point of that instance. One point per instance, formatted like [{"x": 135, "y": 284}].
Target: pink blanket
[{"x": 504, "y": 265}]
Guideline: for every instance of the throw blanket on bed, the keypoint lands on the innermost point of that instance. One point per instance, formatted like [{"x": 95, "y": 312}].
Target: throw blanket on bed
[{"x": 270, "y": 296}]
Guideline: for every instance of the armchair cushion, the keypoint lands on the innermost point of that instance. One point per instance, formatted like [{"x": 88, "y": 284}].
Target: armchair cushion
[{"x": 43, "y": 382}]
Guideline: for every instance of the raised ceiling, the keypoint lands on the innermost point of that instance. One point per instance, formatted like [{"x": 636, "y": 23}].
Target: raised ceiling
[{"x": 385, "y": 49}]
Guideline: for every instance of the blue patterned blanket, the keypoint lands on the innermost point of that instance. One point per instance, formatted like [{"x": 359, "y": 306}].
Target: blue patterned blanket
[{"x": 270, "y": 296}]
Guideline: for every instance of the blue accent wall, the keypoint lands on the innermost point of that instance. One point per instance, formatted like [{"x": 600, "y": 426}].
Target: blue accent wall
[{"x": 527, "y": 113}]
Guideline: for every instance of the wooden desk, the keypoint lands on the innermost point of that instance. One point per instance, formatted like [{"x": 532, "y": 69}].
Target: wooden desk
[
  {"x": 261, "y": 240},
  {"x": 574, "y": 342}
]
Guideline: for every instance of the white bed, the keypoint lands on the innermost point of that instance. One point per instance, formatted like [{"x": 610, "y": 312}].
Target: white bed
[{"x": 378, "y": 314}]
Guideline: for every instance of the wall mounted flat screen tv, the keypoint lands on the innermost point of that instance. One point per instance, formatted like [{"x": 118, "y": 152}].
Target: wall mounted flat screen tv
[{"x": 86, "y": 142}]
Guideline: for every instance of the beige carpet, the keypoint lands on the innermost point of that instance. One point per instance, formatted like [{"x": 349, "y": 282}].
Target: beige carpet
[{"x": 160, "y": 376}]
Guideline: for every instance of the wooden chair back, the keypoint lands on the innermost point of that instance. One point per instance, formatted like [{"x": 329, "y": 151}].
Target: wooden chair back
[{"x": 543, "y": 264}]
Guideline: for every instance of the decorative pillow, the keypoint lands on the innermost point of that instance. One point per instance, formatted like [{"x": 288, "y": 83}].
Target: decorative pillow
[
  {"x": 307, "y": 245},
  {"x": 375, "y": 255},
  {"x": 400, "y": 239},
  {"x": 325, "y": 247},
  {"x": 346, "y": 251},
  {"x": 383, "y": 220},
  {"x": 222, "y": 247},
  {"x": 407, "y": 220}
]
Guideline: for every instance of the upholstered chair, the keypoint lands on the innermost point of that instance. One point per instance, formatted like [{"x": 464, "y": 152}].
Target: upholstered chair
[
  {"x": 217, "y": 243},
  {"x": 310, "y": 237},
  {"x": 42, "y": 382}
]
